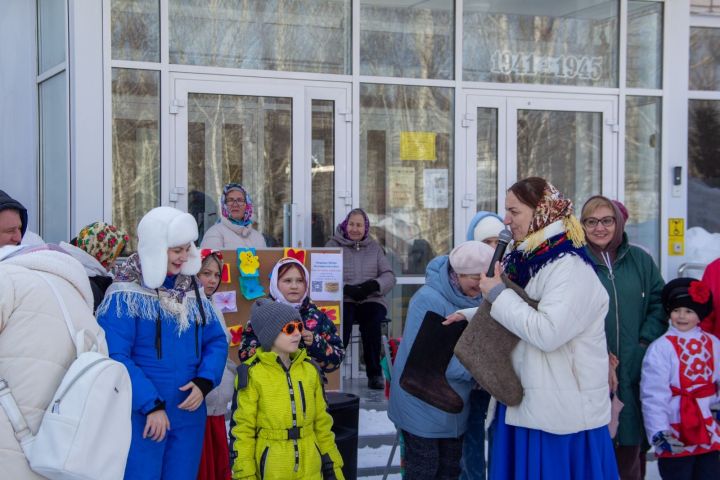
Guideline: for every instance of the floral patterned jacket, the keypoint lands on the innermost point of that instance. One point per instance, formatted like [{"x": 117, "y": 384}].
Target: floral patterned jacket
[{"x": 327, "y": 348}]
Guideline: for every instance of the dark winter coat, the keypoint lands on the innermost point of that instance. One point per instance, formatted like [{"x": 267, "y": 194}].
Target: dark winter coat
[
  {"x": 362, "y": 261},
  {"x": 99, "y": 285},
  {"x": 326, "y": 350},
  {"x": 635, "y": 319}
]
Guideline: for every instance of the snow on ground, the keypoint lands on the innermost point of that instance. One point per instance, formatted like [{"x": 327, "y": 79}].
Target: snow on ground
[
  {"x": 374, "y": 422},
  {"x": 377, "y": 457}
]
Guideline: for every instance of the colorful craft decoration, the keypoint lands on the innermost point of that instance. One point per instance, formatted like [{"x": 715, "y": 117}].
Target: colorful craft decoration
[
  {"x": 226, "y": 302},
  {"x": 225, "y": 274},
  {"x": 332, "y": 312},
  {"x": 297, "y": 253},
  {"x": 249, "y": 268},
  {"x": 235, "y": 335}
]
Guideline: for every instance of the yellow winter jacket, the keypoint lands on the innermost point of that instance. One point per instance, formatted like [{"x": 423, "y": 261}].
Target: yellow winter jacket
[{"x": 268, "y": 408}]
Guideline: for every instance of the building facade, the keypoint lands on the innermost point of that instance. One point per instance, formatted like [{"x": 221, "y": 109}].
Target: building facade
[{"x": 420, "y": 112}]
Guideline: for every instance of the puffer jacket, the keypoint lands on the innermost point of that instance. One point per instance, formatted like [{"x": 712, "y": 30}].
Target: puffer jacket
[
  {"x": 267, "y": 407},
  {"x": 225, "y": 235},
  {"x": 406, "y": 411},
  {"x": 362, "y": 261},
  {"x": 35, "y": 346},
  {"x": 635, "y": 319},
  {"x": 562, "y": 358}
]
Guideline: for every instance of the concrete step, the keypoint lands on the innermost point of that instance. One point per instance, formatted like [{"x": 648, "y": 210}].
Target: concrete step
[{"x": 375, "y": 441}]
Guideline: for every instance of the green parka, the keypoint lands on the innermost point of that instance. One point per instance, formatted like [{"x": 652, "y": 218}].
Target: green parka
[{"x": 635, "y": 319}]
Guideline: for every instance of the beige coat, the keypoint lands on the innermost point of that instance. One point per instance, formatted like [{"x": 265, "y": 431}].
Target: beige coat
[
  {"x": 228, "y": 236},
  {"x": 35, "y": 345}
]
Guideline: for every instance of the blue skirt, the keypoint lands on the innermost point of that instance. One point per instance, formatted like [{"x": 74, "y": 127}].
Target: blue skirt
[{"x": 520, "y": 453}]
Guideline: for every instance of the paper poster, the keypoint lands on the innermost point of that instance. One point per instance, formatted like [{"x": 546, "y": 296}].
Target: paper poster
[
  {"x": 225, "y": 301},
  {"x": 418, "y": 146},
  {"x": 332, "y": 312},
  {"x": 401, "y": 187},
  {"x": 435, "y": 188},
  {"x": 235, "y": 335},
  {"x": 326, "y": 274}
]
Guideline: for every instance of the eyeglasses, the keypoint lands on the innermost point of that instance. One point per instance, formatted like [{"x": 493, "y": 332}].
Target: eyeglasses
[
  {"x": 235, "y": 201},
  {"x": 290, "y": 327},
  {"x": 592, "y": 222}
]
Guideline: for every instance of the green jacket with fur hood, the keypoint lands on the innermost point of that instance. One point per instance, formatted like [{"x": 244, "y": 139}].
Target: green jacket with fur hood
[
  {"x": 635, "y": 319},
  {"x": 266, "y": 409}
]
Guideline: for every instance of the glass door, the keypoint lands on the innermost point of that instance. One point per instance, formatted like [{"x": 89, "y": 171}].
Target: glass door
[
  {"x": 284, "y": 143},
  {"x": 571, "y": 141}
]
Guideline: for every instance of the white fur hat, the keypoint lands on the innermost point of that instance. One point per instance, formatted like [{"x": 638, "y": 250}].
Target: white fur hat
[
  {"x": 488, "y": 227},
  {"x": 162, "y": 228},
  {"x": 471, "y": 257}
]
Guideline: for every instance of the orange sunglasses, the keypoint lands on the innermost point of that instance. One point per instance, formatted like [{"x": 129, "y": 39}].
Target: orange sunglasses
[{"x": 290, "y": 327}]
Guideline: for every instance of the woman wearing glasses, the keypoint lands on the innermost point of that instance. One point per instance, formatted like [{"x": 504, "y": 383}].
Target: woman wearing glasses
[
  {"x": 234, "y": 228},
  {"x": 635, "y": 318}
]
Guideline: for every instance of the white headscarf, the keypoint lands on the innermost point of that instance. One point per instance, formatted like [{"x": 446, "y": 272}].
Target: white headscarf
[{"x": 275, "y": 291}]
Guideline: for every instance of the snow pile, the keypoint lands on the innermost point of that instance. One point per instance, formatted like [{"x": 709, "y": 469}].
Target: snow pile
[
  {"x": 701, "y": 246},
  {"x": 373, "y": 422},
  {"x": 377, "y": 457}
]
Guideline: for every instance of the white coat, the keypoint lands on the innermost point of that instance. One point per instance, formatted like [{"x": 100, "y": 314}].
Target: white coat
[
  {"x": 35, "y": 345},
  {"x": 228, "y": 236},
  {"x": 561, "y": 359}
]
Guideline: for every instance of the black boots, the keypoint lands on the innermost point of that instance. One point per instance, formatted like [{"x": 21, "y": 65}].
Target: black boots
[
  {"x": 430, "y": 354},
  {"x": 376, "y": 383}
]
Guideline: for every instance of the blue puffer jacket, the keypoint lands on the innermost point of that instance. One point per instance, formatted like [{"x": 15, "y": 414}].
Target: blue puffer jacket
[
  {"x": 406, "y": 411},
  {"x": 129, "y": 317}
]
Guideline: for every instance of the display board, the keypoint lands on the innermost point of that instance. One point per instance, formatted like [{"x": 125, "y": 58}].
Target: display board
[{"x": 325, "y": 288}]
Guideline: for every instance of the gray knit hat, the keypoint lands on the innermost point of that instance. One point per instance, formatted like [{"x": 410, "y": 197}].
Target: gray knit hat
[{"x": 268, "y": 318}]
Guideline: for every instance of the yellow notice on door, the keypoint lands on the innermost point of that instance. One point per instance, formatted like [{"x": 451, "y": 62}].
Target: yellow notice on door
[
  {"x": 676, "y": 236},
  {"x": 418, "y": 146}
]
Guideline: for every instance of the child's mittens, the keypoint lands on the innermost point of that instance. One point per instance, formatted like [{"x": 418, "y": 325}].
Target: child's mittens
[{"x": 666, "y": 442}]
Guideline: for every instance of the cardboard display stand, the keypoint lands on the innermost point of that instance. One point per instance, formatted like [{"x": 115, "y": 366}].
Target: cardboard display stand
[{"x": 268, "y": 258}]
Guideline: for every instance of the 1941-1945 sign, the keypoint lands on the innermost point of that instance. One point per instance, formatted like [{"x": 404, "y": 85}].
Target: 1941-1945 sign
[{"x": 562, "y": 66}]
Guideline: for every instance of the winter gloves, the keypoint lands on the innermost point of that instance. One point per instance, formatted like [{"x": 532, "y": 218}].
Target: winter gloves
[
  {"x": 430, "y": 354},
  {"x": 361, "y": 291},
  {"x": 485, "y": 349},
  {"x": 666, "y": 442}
]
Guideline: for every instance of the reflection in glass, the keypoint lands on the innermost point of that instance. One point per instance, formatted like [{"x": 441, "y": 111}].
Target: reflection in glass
[
  {"x": 487, "y": 159},
  {"x": 644, "y": 44},
  {"x": 541, "y": 42},
  {"x": 406, "y": 171},
  {"x": 704, "y": 58},
  {"x": 54, "y": 165},
  {"x": 322, "y": 171},
  {"x": 135, "y": 147},
  {"x": 703, "y": 165},
  {"x": 563, "y": 147},
  {"x": 413, "y": 39},
  {"x": 51, "y": 34},
  {"x": 240, "y": 139},
  {"x": 286, "y": 35},
  {"x": 398, "y": 299},
  {"x": 706, "y": 7},
  {"x": 135, "y": 26},
  {"x": 642, "y": 171}
]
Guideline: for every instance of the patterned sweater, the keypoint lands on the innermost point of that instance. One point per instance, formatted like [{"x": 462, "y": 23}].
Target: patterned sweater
[{"x": 327, "y": 347}]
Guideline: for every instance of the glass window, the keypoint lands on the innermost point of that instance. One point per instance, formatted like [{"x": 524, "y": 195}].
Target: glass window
[
  {"x": 703, "y": 165},
  {"x": 135, "y": 147},
  {"x": 246, "y": 140},
  {"x": 487, "y": 159},
  {"x": 407, "y": 39},
  {"x": 54, "y": 166},
  {"x": 704, "y": 58},
  {"x": 563, "y": 147},
  {"x": 51, "y": 33},
  {"x": 645, "y": 44},
  {"x": 322, "y": 171},
  {"x": 642, "y": 171},
  {"x": 574, "y": 42},
  {"x": 406, "y": 143},
  {"x": 286, "y": 35},
  {"x": 135, "y": 26},
  {"x": 711, "y": 7}
]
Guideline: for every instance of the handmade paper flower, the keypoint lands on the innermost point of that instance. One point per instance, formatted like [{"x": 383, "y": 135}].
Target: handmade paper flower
[
  {"x": 699, "y": 292},
  {"x": 249, "y": 263}
]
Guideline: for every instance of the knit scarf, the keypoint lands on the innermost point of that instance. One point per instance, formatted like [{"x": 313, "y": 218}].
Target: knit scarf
[{"x": 522, "y": 265}]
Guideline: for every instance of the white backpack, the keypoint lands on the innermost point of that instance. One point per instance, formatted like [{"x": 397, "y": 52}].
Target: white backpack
[{"x": 85, "y": 431}]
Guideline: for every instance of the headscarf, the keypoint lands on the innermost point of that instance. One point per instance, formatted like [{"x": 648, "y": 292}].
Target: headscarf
[
  {"x": 611, "y": 249},
  {"x": 212, "y": 256},
  {"x": 247, "y": 216},
  {"x": 342, "y": 228},
  {"x": 274, "y": 278},
  {"x": 102, "y": 241}
]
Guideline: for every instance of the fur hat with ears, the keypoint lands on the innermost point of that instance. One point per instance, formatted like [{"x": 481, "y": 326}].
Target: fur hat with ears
[{"x": 162, "y": 228}]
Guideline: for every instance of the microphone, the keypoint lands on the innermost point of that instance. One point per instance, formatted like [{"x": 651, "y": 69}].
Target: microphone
[{"x": 504, "y": 238}]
